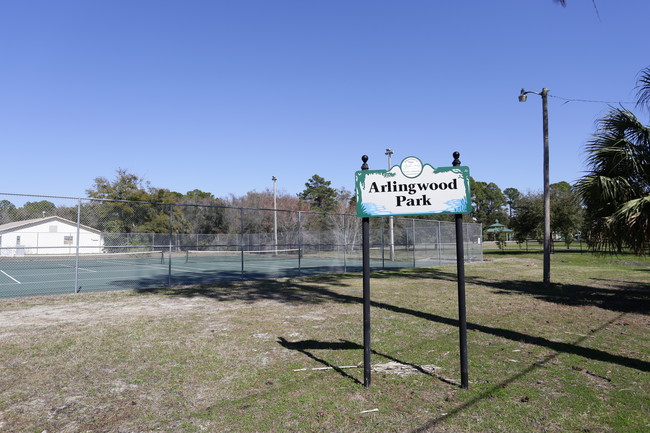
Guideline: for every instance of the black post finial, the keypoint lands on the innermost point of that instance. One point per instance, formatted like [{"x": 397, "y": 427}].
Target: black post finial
[
  {"x": 364, "y": 158},
  {"x": 456, "y": 162}
]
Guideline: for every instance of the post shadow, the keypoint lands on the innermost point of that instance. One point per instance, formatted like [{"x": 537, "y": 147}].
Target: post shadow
[
  {"x": 539, "y": 364},
  {"x": 288, "y": 291},
  {"x": 304, "y": 347}
]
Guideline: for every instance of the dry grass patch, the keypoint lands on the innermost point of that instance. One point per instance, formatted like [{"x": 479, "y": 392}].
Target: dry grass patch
[{"x": 266, "y": 356}]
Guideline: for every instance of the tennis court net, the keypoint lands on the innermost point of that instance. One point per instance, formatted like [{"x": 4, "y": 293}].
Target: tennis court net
[
  {"x": 193, "y": 256},
  {"x": 155, "y": 257}
]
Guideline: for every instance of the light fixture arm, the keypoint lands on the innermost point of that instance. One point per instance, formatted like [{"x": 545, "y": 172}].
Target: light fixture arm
[{"x": 524, "y": 92}]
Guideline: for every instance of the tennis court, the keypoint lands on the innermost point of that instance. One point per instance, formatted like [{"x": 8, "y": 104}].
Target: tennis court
[
  {"x": 131, "y": 245},
  {"x": 55, "y": 274}
]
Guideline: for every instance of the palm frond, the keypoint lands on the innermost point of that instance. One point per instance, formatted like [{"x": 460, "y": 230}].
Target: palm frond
[
  {"x": 621, "y": 145},
  {"x": 643, "y": 89},
  {"x": 615, "y": 190},
  {"x": 634, "y": 216}
]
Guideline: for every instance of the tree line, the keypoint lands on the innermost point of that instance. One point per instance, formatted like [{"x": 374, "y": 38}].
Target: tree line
[
  {"x": 128, "y": 208},
  {"x": 130, "y": 204}
]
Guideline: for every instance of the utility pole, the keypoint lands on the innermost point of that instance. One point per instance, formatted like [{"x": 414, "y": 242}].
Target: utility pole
[
  {"x": 547, "y": 194},
  {"x": 547, "y": 189}
]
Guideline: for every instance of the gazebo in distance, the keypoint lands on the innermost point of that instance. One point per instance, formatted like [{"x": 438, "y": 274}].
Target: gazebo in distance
[{"x": 498, "y": 228}]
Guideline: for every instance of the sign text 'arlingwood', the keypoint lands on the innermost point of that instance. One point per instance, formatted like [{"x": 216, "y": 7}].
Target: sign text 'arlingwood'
[{"x": 412, "y": 189}]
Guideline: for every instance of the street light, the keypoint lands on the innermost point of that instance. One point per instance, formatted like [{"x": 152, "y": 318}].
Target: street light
[
  {"x": 391, "y": 233},
  {"x": 547, "y": 197},
  {"x": 275, "y": 213}
]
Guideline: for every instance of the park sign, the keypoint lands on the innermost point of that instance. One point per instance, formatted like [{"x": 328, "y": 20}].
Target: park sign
[{"x": 413, "y": 188}]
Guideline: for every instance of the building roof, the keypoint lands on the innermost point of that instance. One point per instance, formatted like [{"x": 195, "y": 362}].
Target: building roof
[
  {"x": 12, "y": 226},
  {"x": 498, "y": 227}
]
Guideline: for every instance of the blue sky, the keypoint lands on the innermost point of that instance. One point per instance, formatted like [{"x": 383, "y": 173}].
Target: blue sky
[{"x": 223, "y": 95}]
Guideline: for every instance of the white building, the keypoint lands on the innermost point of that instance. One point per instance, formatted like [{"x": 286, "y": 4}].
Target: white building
[{"x": 48, "y": 235}]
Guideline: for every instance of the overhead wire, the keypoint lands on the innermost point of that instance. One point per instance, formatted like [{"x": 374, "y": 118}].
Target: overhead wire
[{"x": 567, "y": 100}]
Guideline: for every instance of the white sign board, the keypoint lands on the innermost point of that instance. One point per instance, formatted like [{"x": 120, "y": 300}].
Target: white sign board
[{"x": 413, "y": 188}]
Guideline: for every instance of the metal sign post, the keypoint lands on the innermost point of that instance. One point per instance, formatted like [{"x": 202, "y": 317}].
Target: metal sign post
[
  {"x": 460, "y": 269},
  {"x": 365, "y": 233}
]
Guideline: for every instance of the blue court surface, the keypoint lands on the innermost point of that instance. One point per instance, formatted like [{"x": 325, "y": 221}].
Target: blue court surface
[{"x": 34, "y": 276}]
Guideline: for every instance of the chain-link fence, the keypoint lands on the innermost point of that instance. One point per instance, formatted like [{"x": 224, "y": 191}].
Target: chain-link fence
[{"x": 53, "y": 245}]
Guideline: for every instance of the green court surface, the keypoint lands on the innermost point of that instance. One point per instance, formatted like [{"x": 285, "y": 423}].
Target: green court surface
[{"x": 34, "y": 276}]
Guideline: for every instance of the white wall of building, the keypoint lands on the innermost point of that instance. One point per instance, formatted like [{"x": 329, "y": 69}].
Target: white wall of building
[{"x": 53, "y": 236}]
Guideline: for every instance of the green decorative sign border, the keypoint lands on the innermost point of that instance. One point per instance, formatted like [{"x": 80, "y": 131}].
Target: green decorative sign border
[{"x": 368, "y": 209}]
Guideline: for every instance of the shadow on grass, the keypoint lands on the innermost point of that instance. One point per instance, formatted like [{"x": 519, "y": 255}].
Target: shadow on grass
[
  {"x": 285, "y": 291},
  {"x": 620, "y": 296},
  {"x": 558, "y": 347},
  {"x": 486, "y": 394},
  {"x": 303, "y": 291},
  {"x": 585, "y": 352},
  {"x": 305, "y": 346}
]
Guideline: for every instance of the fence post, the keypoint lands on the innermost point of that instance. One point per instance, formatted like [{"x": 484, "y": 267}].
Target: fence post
[
  {"x": 383, "y": 264},
  {"x": 241, "y": 243},
  {"x": 406, "y": 232},
  {"x": 171, "y": 240},
  {"x": 413, "y": 225},
  {"x": 76, "y": 258},
  {"x": 300, "y": 232},
  {"x": 345, "y": 247},
  {"x": 299, "y": 243},
  {"x": 467, "y": 246},
  {"x": 439, "y": 245}
]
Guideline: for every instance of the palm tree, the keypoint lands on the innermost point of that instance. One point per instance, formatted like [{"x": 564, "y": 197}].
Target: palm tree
[{"x": 616, "y": 189}]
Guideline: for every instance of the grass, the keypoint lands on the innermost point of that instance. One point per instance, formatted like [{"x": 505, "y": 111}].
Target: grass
[
  {"x": 534, "y": 246},
  {"x": 573, "y": 357}
]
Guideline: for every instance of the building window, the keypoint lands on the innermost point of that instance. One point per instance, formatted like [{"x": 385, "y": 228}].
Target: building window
[
  {"x": 67, "y": 240},
  {"x": 17, "y": 240},
  {"x": 54, "y": 229}
]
